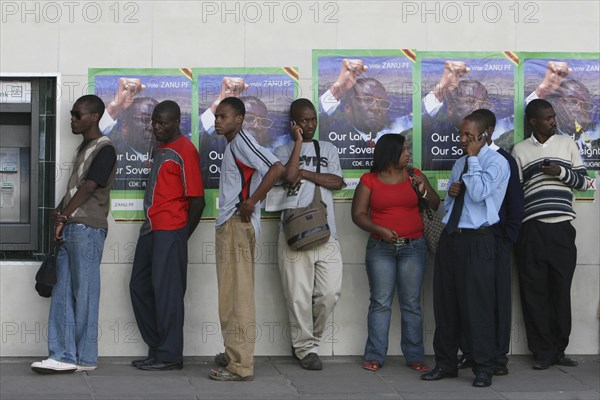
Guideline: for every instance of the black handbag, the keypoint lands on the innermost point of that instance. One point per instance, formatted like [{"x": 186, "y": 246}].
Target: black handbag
[{"x": 45, "y": 278}]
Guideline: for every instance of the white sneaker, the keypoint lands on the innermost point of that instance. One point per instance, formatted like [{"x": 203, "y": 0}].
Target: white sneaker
[
  {"x": 50, "y": 366},
  {"x": 81, "y": 368}
]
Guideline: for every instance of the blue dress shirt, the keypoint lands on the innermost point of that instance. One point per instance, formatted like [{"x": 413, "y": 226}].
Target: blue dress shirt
[{"x": 485, "y": 180}]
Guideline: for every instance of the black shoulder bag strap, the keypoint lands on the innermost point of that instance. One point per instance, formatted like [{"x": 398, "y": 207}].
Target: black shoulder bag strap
[
  {"x": 317, "y": 196},
  {"x": 423, "y": 203},
  {"x": 318, "y": 152}
]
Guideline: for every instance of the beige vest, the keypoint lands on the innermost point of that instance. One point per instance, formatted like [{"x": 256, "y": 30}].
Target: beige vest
[{"x": 95, "y": 210}]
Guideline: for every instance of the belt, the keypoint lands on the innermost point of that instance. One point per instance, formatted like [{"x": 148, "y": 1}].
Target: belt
[
  {"x": 402, "y": 241},
  {"x": 470, "y": 230}
]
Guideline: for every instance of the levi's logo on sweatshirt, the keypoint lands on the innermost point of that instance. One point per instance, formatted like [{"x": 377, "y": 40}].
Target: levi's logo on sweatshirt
[{"x": 311, "y": 161}]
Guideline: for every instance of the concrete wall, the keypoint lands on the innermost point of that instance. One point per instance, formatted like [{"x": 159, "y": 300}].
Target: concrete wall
[{"x": 201, "y": 34}]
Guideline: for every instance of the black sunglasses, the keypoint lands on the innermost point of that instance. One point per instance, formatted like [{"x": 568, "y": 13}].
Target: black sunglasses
[{"x": 78, "y": 114}]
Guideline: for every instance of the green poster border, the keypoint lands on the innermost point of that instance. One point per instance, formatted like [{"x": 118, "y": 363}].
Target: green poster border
[
  {"x": 345, "y": 195},
  {"x": 136, "y": 216},
  {"x": 588, "y": 195},
  {"x": 435, "y": 176},
  {"x": 211, "y": 195}
]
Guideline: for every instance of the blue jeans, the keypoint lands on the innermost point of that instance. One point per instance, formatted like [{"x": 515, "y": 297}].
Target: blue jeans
[
  {"x": 73, "y": 320},
  {"x": 399, "y": 267}
]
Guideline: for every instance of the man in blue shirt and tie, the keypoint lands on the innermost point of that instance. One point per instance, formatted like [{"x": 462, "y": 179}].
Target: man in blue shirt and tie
[
  {"x": 506, "y": 232},
  {"x": 464, "y": 273}
]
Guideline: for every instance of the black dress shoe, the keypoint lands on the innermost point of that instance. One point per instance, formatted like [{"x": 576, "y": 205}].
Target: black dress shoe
[
  {"x": 465, "y": 363},
  {"x": 542, "y": 364},
  {"x": 438, "y": 373},
  {"x": 140, "y": 362},
  {"x": 482, "y": 379},
  {"x": 500, "y": 370},
  {"x": 162, "y": 366},
  {"x": 565, "y": 361}
]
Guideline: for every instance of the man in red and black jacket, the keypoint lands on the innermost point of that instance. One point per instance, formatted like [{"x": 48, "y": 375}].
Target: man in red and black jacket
[{"x": 173, "y": 204}]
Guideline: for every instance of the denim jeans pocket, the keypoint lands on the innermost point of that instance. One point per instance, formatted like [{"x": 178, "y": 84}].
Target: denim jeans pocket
[
  {"x": 373, "y": 243},
  {"x": 419, "y": 245}
]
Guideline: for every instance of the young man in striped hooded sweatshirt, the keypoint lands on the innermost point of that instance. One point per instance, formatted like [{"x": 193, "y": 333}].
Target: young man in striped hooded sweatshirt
[{"x": 248, "y": 172}]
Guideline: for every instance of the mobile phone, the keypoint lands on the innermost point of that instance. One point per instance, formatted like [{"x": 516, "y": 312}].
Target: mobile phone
[
  {"x": 546, "y": 162},
  {"x": 483, "y": 136}
]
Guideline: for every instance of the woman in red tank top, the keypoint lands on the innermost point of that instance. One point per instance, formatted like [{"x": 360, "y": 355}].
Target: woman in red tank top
[{"x": 386, "y": 205}]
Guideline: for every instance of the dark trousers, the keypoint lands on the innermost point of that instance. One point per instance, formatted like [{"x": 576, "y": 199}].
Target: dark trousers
[
  {"x": 503, "y": 303},
  {"x": 157, "y": 287},
  {"x": 546, "y": 257},
  {"x": 464, "y": 298},
  {"x": 504, "y": 249}
]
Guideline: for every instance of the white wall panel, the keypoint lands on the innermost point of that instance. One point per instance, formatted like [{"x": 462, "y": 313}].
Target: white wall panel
[{"x": 161, "y": 34}]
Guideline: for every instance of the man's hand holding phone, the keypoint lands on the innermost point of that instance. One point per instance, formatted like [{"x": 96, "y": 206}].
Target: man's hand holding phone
[
  {"x": 296, "y": 131},
  {"x": 475, "y": 144},
  {"x": 548, "y": 168}
]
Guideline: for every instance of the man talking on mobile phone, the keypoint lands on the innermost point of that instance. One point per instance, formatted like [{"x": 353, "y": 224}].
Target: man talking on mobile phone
[
  {"x": 311, "y": 279},
  {"x": 464, "y": 277},
  {"x": 506, "y": 233}
]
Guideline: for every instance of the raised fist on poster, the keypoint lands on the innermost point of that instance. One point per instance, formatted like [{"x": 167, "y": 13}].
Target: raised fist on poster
[
  {"x": 572, "y": 102},
  {"x": 230, "y": 87},
  {"x": 555, "y": 73},
  {"x": 128, "y": 88},
  {"x": 453, "y": 73},
  {"x": 350, "y": 71}
]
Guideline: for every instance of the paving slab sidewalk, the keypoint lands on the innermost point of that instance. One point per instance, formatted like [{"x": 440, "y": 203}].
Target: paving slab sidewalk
[{"x": 282, "y": 378}]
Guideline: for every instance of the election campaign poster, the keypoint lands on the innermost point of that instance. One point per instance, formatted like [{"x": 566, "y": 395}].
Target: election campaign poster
[
  {"x": 130, "y": 96},
  {"x": 362, "y": 95}
]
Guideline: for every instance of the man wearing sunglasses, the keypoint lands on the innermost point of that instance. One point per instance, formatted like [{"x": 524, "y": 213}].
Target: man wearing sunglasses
[{"x": 80, "y": 227}]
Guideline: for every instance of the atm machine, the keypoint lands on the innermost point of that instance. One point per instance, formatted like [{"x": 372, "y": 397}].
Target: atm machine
[{"x": 19, "y": 146}]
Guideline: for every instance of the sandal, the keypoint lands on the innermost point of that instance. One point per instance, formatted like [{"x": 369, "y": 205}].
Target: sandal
[
  {"x": 372, "y": 365},
  {"x": 225, "y": 375},
  {"x": 419, "y": 366}
]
